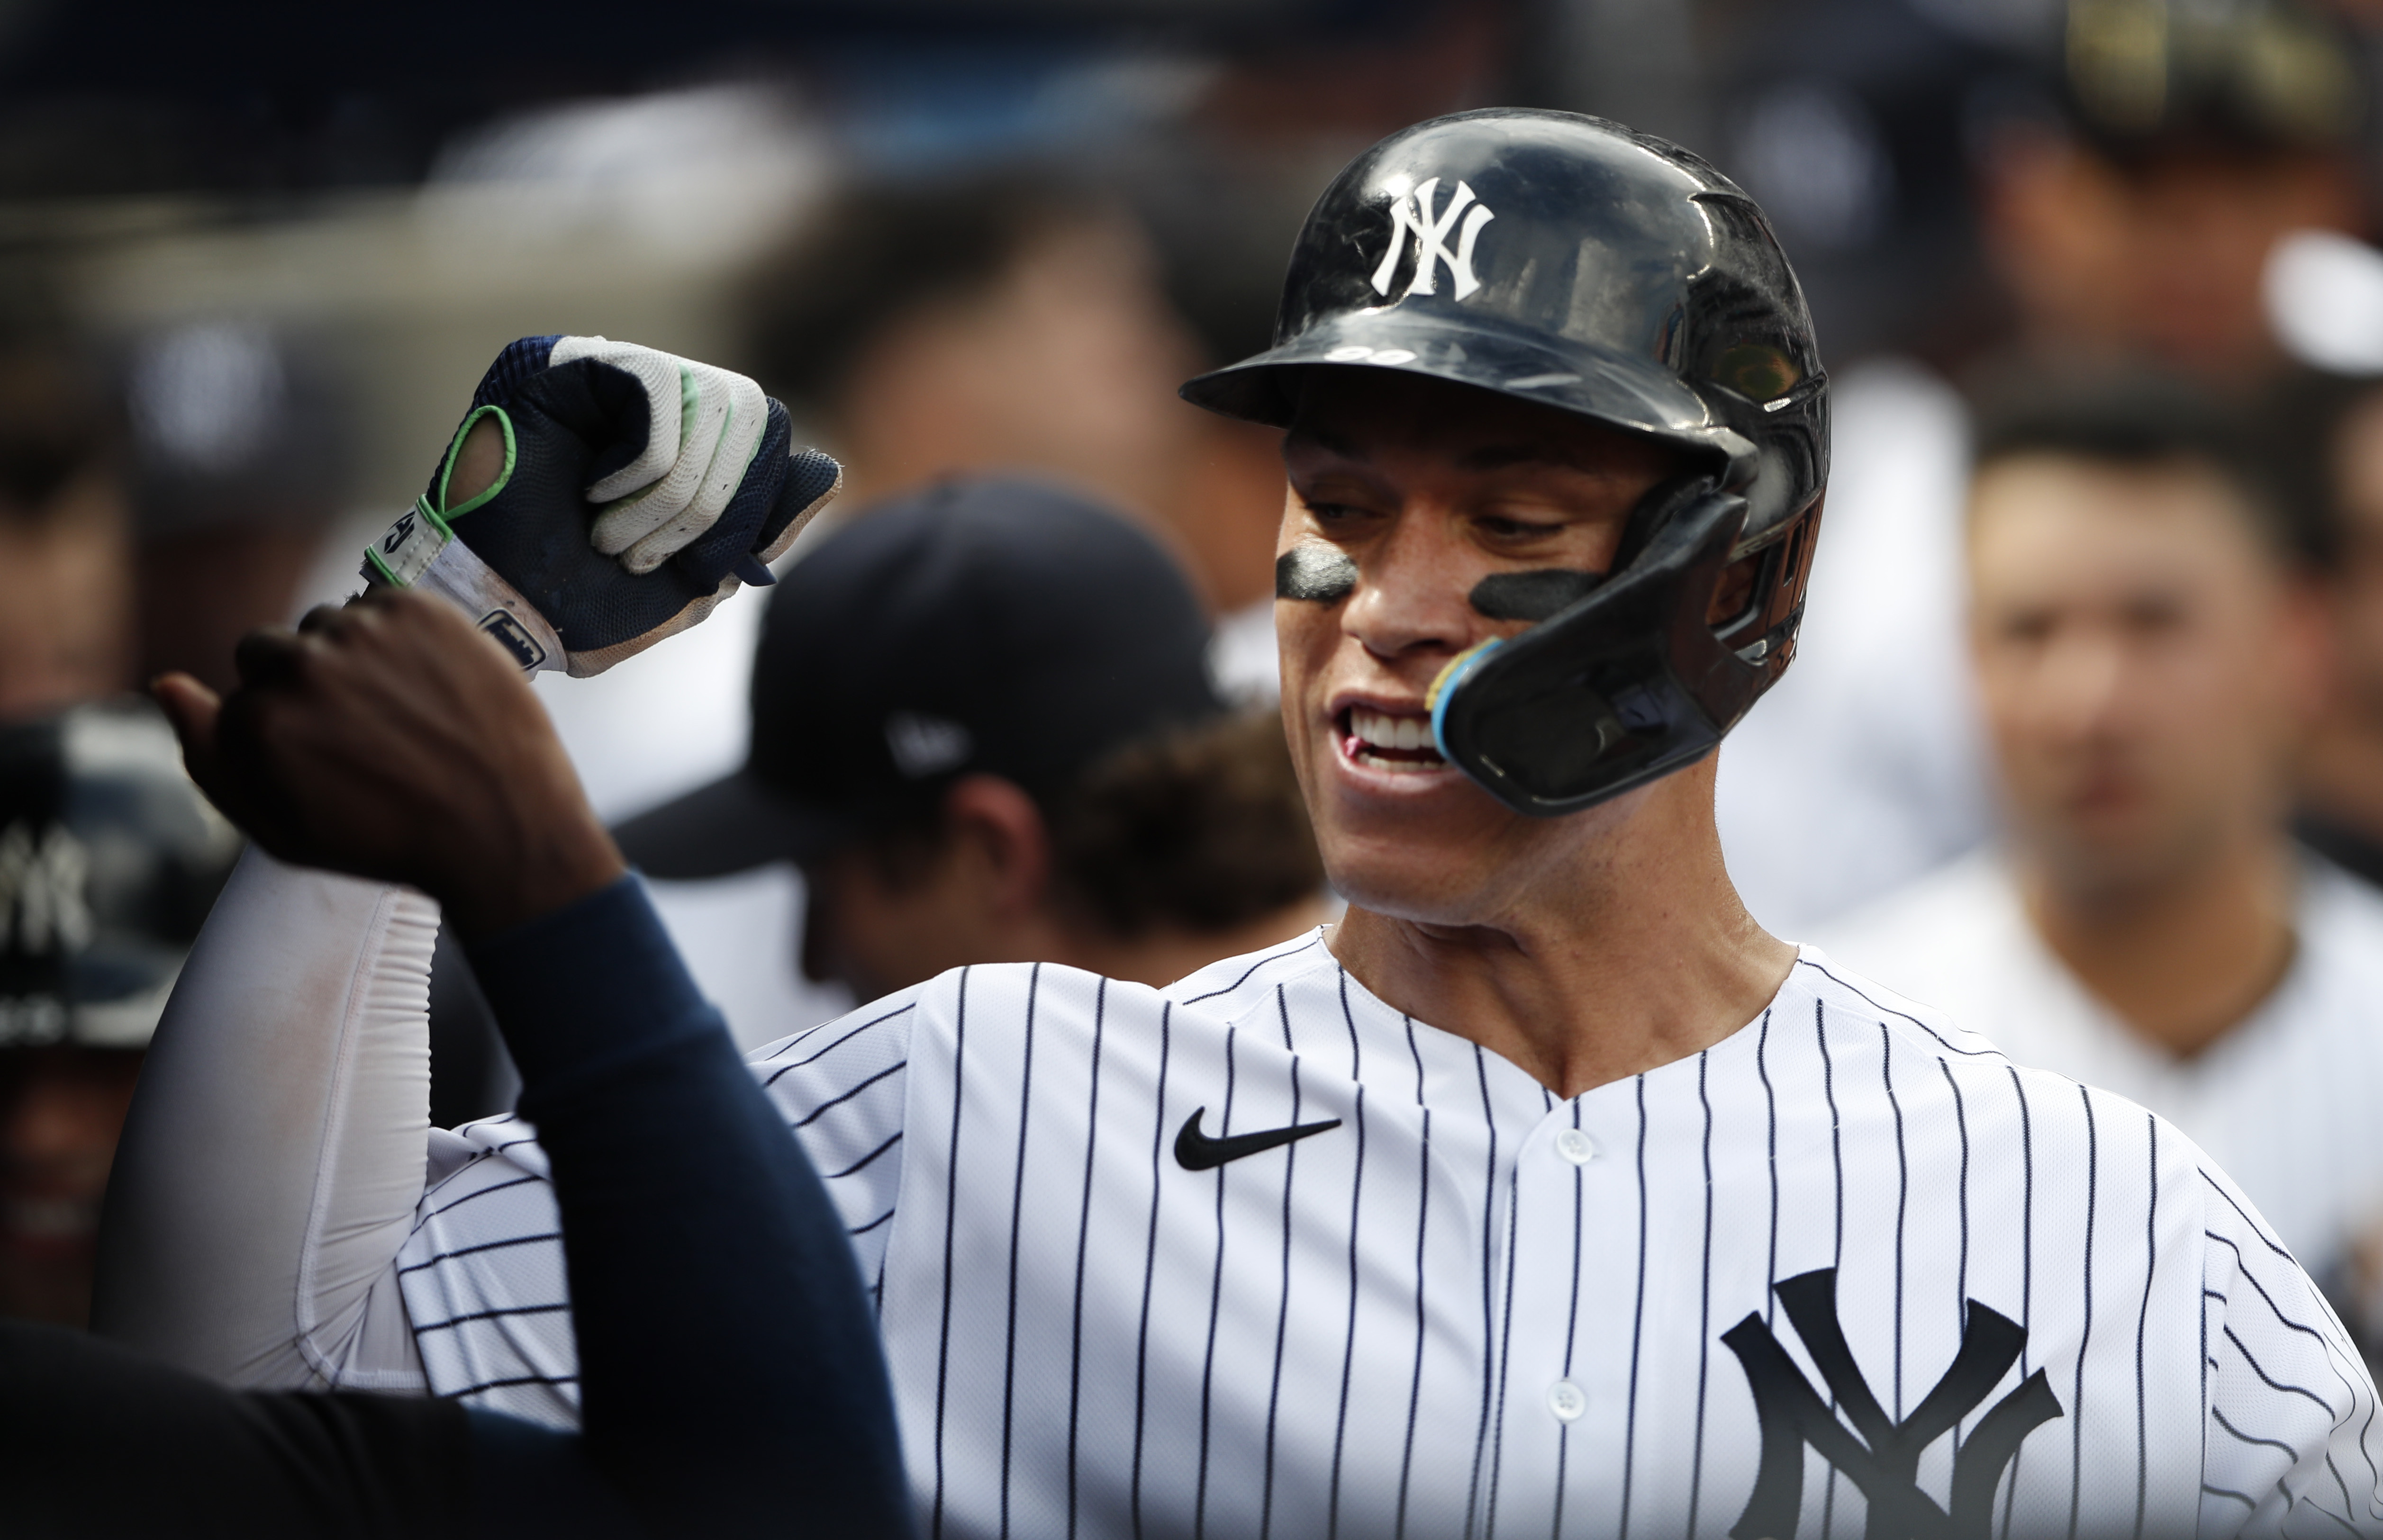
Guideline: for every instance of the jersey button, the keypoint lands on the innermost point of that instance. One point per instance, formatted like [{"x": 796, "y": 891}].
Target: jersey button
[
  {"x": 1577, "y": 1148},
  {"x": 1567, "y": 1401}
]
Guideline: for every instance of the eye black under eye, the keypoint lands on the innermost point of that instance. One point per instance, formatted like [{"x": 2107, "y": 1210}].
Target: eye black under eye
[{"x": 1520, "y": 529}]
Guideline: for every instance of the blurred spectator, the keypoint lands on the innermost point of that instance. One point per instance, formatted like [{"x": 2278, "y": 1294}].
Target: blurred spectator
[
  {"x": 2147, "y": 665},
  {"x": 2342, "y": 772},
  {"x": 1020, "y": 320},
  {"x": 2128, "y": 185},
  {"x": 1224, "y": 219},
  {"x": 241, "y": 454},
  {"x": 65, "y": 541},
  {"x": 978, "y": 322},
  {"x": 2136, "y": 223},
  {"x": 108, "y": 857},
  {"x": 983, "y": 726}
]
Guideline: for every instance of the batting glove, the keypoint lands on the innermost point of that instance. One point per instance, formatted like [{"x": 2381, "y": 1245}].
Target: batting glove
[{"x": 639, "y": 490}]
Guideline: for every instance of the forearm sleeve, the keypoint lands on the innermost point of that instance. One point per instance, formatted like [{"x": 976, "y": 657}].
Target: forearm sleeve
[
  {"x": 275, "y": 1151},
  {"x": 728, "y": 1355}
]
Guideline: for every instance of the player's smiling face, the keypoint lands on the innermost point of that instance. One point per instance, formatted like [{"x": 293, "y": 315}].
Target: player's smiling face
[{"x": 1407, "y": 492}]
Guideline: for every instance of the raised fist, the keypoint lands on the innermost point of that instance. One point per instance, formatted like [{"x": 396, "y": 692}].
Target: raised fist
[{"x": 636, "y": 491}]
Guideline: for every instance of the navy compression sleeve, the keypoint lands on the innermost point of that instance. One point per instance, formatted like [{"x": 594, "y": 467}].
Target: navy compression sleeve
[{"x": 730, "y": 1370}]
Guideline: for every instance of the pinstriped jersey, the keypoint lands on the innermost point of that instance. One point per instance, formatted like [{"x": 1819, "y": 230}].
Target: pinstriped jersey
[{"x": 1257, "y": 1254}]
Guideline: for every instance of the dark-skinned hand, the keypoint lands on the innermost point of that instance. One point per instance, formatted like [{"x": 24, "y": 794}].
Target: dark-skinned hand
[{"x": 389, "y": 740}]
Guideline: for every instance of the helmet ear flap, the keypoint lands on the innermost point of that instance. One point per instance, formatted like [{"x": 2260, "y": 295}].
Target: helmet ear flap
[
  {"x": 1760, "y": 627},
  {"x": 1624, "y": 686}
]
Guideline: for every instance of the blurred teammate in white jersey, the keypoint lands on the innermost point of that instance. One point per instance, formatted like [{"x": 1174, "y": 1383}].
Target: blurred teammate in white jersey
[{"x": 2148, "y": 663}]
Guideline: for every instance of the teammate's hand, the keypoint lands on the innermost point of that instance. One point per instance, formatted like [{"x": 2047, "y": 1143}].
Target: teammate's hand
[
  {"x": 391, "y": 740},
  {"x": 635, "y": 490}
]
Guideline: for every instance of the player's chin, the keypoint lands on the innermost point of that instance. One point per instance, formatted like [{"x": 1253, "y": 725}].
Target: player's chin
[
  {"x": 1409, "y": 848},
  {"x": 1428, "y": 881}
]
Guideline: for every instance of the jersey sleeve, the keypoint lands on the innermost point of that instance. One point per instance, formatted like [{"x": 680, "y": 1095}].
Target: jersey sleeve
[
  {"x": 2292, "y": 1443},
  {"x": 482, "y": 1273},
  {"x": 272, "y": 1161}
]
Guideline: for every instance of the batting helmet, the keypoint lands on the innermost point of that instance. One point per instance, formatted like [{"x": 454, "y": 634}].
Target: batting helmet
[{"x": 1574, "y": 263}]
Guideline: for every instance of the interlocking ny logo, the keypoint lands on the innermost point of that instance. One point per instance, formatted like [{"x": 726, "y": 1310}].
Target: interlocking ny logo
[
  {"x": 1884, "y": 1460},
  {"x": 44, "y": 879},
  {"x": 1410, "y": 210}
]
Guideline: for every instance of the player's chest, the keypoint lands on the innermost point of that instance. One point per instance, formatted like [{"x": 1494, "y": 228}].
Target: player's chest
[{"x": 1231, "y": 1288}]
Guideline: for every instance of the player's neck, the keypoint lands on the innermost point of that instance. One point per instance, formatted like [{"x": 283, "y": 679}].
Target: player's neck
[
  {"x": 1163, "y": 955},
  {"x": 2182, "y": 960},
  {"x": 1613, "y": 966}
]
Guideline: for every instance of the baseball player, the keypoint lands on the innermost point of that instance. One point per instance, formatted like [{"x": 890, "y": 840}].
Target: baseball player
[{"x": 1545, "y": 1194}]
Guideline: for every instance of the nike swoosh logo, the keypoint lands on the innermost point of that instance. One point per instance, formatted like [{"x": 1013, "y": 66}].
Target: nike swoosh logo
[{"x": 1196, "y": 1151}]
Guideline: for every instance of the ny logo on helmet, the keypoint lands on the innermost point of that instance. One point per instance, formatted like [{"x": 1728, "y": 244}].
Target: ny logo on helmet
[{"x": 1411, "y": 210}]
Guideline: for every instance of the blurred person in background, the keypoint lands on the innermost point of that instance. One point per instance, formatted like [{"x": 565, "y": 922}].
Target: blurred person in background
[
  {"x": 2341, "y": 771},
  {"x": 66, "y": 541},
  {"x": 1222, "y": 215},
  {"x": 2148, "y": 664},
  {"x": 2128, "y": 170},
  {"x": 985, "y": 320},
  {"x": 108, "y": 857},
  {"x": 985, "y": 727},
  {"x": 2134, "y": 221},
  {"x": 241, "y": 454},
  {"x": 1023, "y": 320}
]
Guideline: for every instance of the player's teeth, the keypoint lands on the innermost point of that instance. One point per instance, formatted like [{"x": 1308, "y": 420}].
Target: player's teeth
[{"x": 1381, "y": 730}]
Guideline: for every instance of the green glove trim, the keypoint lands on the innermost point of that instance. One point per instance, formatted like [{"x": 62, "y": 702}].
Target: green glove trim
[{"x": 447, "y": 469}]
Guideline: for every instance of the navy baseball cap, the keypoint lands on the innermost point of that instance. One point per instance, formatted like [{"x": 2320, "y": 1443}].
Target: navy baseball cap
[{"x": 985, "y": 624}]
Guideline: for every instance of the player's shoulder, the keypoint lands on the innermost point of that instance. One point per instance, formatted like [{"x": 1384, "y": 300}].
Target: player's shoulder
[
  {"x": 1228, "y": 988},
  {"x": 1856, "y": 1000},
  {"x": 2016, "y": 1112},
  {"x": 1054, "y": 998}
]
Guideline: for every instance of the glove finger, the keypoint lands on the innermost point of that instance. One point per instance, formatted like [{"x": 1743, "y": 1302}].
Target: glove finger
[
  {"x": 731, "y": 462},
  {"x": 724, "y": 548},
  {"x": 625, "y": 524},
  {"x": 662, "y": 377},
  {"x": 812, "y": 481}
]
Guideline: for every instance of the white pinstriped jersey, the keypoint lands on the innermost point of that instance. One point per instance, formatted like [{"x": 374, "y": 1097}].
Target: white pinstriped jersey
[{"x": 1472, "y": 1308}]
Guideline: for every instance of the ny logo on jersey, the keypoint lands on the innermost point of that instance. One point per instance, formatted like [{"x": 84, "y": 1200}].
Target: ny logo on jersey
[
  {"x": 1884, "y": 1462},
  {"x": 1410, "y": 211}
]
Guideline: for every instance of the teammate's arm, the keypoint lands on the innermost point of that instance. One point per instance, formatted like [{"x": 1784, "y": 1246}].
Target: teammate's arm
[{"x": 726, "y": 1343}]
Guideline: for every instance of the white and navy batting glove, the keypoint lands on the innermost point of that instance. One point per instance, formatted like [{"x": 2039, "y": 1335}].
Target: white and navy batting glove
[{"x": 639, "y": 490}]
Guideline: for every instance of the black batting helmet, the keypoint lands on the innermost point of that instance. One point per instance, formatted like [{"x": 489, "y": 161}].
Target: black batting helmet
[{"x": 1576, "y": 263}]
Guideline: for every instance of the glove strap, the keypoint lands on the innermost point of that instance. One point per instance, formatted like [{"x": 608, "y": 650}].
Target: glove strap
[{"x": 421, "y": 552}]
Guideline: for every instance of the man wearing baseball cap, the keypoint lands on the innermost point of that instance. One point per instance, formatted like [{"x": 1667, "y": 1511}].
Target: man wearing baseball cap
[{"x": 983, "y": 725}]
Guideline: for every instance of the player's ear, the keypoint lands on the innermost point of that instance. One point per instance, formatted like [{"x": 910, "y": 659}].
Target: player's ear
[{"x": 1003, "y": 833}]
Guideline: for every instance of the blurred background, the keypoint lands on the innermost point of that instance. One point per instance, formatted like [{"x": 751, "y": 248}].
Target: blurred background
[{"x": 253, "y": 258}]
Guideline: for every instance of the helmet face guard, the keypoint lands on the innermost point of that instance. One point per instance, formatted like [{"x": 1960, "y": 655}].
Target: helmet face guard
[{"x": 1632, "y": 681}]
